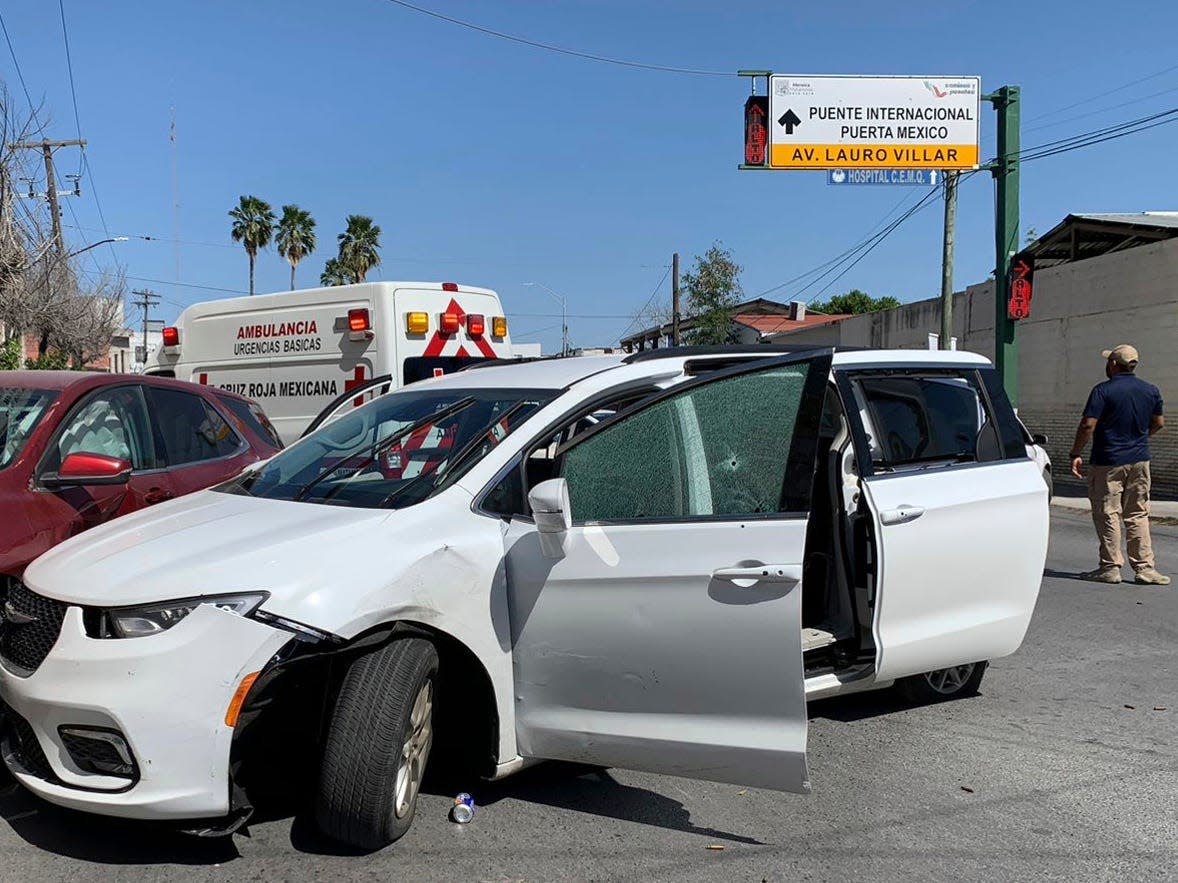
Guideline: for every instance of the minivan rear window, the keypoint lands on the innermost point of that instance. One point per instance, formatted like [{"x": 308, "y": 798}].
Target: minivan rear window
[{"x": 20, "y": 412}]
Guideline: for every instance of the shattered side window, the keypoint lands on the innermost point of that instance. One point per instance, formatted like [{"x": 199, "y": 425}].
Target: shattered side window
[{"x": 719, "y": 449}]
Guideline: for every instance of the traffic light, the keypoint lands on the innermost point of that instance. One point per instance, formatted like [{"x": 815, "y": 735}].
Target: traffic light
[
  {"x": 756, "y": 133},
  {"x": 1021, "y": 287}
]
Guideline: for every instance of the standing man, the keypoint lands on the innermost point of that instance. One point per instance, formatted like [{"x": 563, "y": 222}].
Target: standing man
[{"x": 1121, "y": 414}]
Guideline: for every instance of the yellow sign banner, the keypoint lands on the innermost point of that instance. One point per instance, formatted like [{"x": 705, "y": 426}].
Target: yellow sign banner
[{"x": 874, "y": 156}]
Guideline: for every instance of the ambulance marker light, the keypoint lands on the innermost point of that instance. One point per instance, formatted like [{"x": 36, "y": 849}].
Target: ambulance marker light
[
  {"x": 417, "y": 323},
  {"x": 449, "y": 286},
  {"x": 449, "y": 322},
  {"x": 171, "y": 336},
  {"x": 476, "y": 325},
  {"x": 358, "y": 319},
  {"x": 238, "y": 700},
  {"x": 499, "y": 326}
]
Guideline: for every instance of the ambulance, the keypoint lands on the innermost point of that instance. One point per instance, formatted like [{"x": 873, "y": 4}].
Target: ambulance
[{"x": 297, "y": 352}]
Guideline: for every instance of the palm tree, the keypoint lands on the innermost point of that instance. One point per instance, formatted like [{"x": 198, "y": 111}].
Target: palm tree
[
  {"x": 253, "y": 225},
  {"x": 334, "y": 273},
  {"x": 295, "y": 237},
  {"x": 359, "y": 247}
]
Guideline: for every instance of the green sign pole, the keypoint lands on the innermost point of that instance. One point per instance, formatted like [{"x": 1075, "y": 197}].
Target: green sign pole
[{"x": 1006, "y": 234}]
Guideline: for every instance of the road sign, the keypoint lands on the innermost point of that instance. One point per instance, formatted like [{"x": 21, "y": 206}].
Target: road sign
[
  {"x": 848, "y": 122},
  {"x": 911, "y": 177}
]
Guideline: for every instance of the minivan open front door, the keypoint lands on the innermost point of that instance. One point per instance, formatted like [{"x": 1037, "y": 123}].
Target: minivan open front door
[{"x": 662, "y": 632}]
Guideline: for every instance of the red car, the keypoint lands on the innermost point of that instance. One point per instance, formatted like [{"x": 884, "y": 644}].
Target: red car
[{"x": 79, "y": 449}]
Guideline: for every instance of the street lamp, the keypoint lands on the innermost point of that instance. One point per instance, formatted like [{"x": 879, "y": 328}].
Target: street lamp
[
  {"x": 564, "y": 324},
  {"x": 96, "y": 244}
]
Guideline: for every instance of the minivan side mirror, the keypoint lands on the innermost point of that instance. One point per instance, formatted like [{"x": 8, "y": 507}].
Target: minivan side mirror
[
  {"x": 1040, "y": 439},
  {"x": 81, "y": 468},
  {"x": 549, "y": 502}
]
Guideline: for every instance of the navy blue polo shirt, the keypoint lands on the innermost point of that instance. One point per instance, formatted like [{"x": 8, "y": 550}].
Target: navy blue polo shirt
[{"x": 1122, "y": 406}]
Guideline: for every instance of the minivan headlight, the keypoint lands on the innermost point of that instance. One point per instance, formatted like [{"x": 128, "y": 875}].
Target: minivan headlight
[{"x": 152, "y": 619}]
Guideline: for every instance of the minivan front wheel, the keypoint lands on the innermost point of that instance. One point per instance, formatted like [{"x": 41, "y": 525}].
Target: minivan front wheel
[
  {"x": 944, "y": 683},
  {"x": 378, "y": 745}
]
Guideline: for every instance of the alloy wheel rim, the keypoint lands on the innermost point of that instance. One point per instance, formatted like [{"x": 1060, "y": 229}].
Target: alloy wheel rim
[
  {"x": 949, "y": 680},
  {"x": 415, "y": 750}
]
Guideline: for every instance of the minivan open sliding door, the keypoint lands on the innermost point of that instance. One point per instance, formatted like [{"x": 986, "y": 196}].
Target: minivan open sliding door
[
  {"x": 666, "y": 634},
  {"x": 960, "y": 514}
]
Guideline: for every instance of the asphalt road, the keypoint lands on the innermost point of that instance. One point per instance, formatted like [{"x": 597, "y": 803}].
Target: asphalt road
[{"x": 1065, "y": 768}]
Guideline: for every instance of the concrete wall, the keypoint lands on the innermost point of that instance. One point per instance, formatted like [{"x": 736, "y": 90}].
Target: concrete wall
[{"x": 1078, "y": 310}]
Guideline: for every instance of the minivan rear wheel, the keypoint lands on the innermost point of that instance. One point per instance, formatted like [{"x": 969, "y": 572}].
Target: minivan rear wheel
[
  {"x": 378, "y": 745},
  {"x": 944, "y": 683}
]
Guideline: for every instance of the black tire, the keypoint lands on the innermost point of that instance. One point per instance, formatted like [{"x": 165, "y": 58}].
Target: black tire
[
  {"x": 356, "y": 802},
  {"x": 943, "y": 684}
]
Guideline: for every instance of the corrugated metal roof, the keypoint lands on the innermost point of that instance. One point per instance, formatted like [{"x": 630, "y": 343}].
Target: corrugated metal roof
[
  {"x": 1148, "y": 219},
  {"x": 1080, "y": 236}
]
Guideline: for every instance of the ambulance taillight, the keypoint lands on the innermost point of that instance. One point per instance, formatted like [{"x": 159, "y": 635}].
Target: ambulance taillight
[
  {"x": 448, "y": 322},
  {"x": 171, "y": 336},
  {"x": 476, "y": 325},
  {"x": 417, "y": 322},
  {"x": 449, "y": 286},
  {"x": 499, "y": 326},
  {"x": 359, "y": 324},
  {"x": 358, "y": 319}
]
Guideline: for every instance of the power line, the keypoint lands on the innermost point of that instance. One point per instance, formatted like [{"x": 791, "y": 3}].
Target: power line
[
  {"x": 1101, "y": 110},
  {"x": 19, "y": 75},
  {"x": 547, "y": 47},
  {"x": 637, "y": 316},
  {"x": 1099, "y": 136},
  {"x": 1112, "y": 91},
  {"x": 69, "y": 64}
]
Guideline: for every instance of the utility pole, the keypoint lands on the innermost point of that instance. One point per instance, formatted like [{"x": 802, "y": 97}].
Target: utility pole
[
  {"x": 1005, "y": 170},
  {"x": 47, "y": 147},
  {"x": 947, "y": 260},
  {"x": 675, "y": 299},
  {"x": 146, "y": 300}
]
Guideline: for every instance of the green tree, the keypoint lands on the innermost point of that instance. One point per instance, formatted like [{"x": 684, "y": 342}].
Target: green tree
[
  {"x": 359, "y": 247},
  {"x": 295, "y": 237},
  {"x": 335, "y": 274},
  {"x": 10, "y": 354},
  {"x": 253, "y": 227},
  {"x": 854, "y": 301},
  {"x": 713, "y": 290}
]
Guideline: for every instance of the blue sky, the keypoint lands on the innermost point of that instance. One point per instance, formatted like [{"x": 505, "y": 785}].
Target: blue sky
[{"x": 495, "y": 164}]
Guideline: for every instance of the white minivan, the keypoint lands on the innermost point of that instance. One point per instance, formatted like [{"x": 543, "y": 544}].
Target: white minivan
[
  {"x": 298, "y": 352},
  {"x": 649, "y": 562}
]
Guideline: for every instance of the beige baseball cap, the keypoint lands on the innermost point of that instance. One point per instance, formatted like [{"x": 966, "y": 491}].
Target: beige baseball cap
[{"x": 1122, "y": 354}]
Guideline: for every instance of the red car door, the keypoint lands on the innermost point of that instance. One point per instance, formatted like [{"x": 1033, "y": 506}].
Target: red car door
[
  {"x": 200, "y": 446},
  {"x": 114, "y": 421}
]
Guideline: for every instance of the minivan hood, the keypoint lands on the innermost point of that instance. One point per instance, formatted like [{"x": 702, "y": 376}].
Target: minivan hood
[{"x": 202, "y": 544}]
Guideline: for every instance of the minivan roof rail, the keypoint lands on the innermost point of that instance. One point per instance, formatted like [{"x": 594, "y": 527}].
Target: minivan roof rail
[{"x": 752, "y": 349}]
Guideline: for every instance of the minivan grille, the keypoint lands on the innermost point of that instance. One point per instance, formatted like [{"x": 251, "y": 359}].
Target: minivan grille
[{"x": 29, "y": 627}]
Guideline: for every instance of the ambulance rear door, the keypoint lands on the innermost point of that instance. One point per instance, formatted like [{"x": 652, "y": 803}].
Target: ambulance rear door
[{"x": 443, "y": 327}]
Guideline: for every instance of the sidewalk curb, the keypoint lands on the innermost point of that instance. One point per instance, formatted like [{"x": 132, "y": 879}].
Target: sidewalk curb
[{"x": 1168, "y": 513}]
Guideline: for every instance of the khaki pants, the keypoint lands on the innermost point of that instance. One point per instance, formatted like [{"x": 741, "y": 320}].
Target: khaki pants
[{"x": 1116, "y": 493}]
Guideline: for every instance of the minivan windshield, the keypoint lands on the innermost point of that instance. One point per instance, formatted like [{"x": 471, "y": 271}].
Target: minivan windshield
[
  {"x": 20, "y": 411},
  {"x": 394, "y": 452}
]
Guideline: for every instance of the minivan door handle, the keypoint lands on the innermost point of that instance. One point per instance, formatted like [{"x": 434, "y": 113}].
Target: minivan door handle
[
  {"x": 901, "y": 514},
  {"x": 157, "y": 495},
  {"x": 761, "y": 573}
]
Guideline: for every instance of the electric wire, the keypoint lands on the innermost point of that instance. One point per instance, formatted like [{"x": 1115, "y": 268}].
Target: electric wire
[
  {"x": 69, "y": 65},
  {"x": 1104, "y": 94},
  {"x": 548, "y": 47},
  {"x": 19, "y": 74},
  {"x": 637, "y": 317}
]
